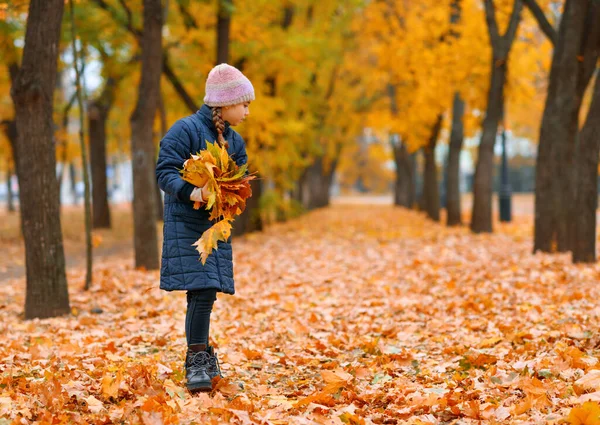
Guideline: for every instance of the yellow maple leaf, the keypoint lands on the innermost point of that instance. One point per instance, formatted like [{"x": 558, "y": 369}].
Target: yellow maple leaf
[
  {"x": 586, "y": 414},
  {"x": 110, "y": 384},
  {"x": 210, "y": 239}
]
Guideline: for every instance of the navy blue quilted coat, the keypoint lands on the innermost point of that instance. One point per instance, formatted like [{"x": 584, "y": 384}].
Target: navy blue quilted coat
[{"x": 183, "y": 225}]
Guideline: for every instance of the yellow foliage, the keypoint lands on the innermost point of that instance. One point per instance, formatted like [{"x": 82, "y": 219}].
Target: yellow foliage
[
  {"x": 586, "y": 414},
  {"x": 229, "y": 188}
]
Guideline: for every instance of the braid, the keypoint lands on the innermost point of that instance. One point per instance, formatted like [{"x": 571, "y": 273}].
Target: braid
[{"x": 220, "y": 126}]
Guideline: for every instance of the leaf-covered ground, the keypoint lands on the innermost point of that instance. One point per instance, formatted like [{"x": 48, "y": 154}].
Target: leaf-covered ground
[{"x": 348, "y": 315}]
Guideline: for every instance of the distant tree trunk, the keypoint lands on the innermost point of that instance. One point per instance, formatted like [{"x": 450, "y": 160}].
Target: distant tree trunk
[
  {"x": 98, "y": 113},
  {"x": 63, "y": 142},
  {"x": 316, "y": 185},
  {"x": 421, "y": 198},
  {"x": 162, "y": 113},
  {"x": 453, "y": 171},
  {"x": 73, "y": 178},
  {"x": 430, "y": 188},
  {"x": 404, "y": 188},
  {"x": 32, "y": 93},
  {"x": 9, "y": 192},
  {"x": 223, "y": 25},
  {"x": 142, "y": 145},
  {"x": 481, "y": 218},
  {"x": 10, "y": 129},
  {"x": 250, "y": 220},
  {"x": 584, "y": 249},
  {"x": 572, "y": 67},
  {"x": 84, "y": 154}
]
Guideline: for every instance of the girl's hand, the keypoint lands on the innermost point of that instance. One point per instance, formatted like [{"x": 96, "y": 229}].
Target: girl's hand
[
  {"x": 200, "y": 194},
  {"x": 205, "y": 192}
]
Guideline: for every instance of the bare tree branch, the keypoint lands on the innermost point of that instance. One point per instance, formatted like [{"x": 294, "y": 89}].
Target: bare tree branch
[
  {"x": 513, "y": 25},
  {"x": 542, "y": 21},
  {"x": 188, "y": 20},
  {"x": 490, "y": 18},
  {"x": 176, "y": 83},
  {"x": 166, "y": 68},
  {"x": 115, "y": 15},
  {"x": 590, "y": 47}
]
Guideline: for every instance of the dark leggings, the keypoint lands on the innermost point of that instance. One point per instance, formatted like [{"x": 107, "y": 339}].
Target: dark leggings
[{"x": 197, "y": 319}]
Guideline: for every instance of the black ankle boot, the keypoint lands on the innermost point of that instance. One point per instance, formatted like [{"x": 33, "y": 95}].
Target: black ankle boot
[
  {"x": 198, "y": 363},
  {"x": 214, "y": 367}
]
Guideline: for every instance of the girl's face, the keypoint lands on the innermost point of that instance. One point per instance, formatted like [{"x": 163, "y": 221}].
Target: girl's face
[{"x": 235, "y": 114}]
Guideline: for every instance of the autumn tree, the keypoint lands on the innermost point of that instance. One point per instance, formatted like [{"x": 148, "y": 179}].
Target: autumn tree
[
  {"x": 452, "y": 178},
  {"x": 223, "y": 28},
  {"x": 33, "y": 92},
  {"x": 10, "y": 57},
  {"x": 481, "y": 220},
  {"x": 586, "y": 182},
  {"x": 573, "y": 63},
  {"x": 142, "y": 146}
]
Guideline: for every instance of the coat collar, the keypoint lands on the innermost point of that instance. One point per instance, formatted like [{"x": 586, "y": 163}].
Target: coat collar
[{"x": 205, "y": 113}]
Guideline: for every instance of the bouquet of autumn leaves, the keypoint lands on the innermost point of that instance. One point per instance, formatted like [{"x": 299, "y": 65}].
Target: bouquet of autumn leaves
[{"x": 229, "y": 188}]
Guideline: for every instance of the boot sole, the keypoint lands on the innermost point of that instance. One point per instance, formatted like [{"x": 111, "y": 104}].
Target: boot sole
[{"x": 199, "y": 388}]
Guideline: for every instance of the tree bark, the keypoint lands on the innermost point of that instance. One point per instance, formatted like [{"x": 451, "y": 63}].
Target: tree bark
[
  {"x": 98, "y": 113},
  {"x": 430, "y": 187},
  {"x": 10, "y": 201},
  {"x": 316, "y": 185},
  {"x": 481, "y": 218},
  {"x": 223, "y": 25},
  {"x": 404, "y": 188},
  {"x": 453, "y": 170},
  {"x": 482, "y": 186},
  {"x": 10, "y": 129},
  {"x": 584, "y": 247},
  {"x": 63, "y": 159},
  {"x": 32, "y": 93},
  {"x": 87, "y": 200},
  {"x": 73, "y": 179},
  {"x": 162, "y": 113},
  {"x": 142, "y": 146},
  {"x": 554, "y": 171}
]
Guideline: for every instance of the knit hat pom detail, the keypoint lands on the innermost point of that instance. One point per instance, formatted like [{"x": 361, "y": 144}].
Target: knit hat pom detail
[{"x": 226, "y": 86}]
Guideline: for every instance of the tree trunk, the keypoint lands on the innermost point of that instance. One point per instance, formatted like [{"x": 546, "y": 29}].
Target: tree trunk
[
  {"x": 453, "y": 171},
  {"x": 584, "y": 247},
  {"x": 430, "y": 188},
  {"x": 250, "y": 220},
  {"x": 481, "y": 218},
  {"x": 421, "y": 198},
  {"x": 558, "y": 131},
  {"x": 10, "y": 129},
  {"x": 84, "y": 154},
  {"x": 73, "y": 178},
  {"x": 33, "y": 92},
  {"x": 162, "y": 113},
  {"x": 316, "y": 185},
  {"x": 10, "y": 201},
  {"x": 142, "y": 145},
  {"x": 63, "y": 142},
  {"x": 482, "y": 186},
  {"x": 223, "y": 25},
  {"x": 98, "y": 113},
  {"x": 404, "y": 189}
]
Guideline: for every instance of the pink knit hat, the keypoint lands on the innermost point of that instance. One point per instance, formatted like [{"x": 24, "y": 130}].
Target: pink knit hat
[{"x": 226, "y": 86}]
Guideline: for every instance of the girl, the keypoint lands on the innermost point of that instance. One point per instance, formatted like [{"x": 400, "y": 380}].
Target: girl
[{"x": 228, "y": 96}]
